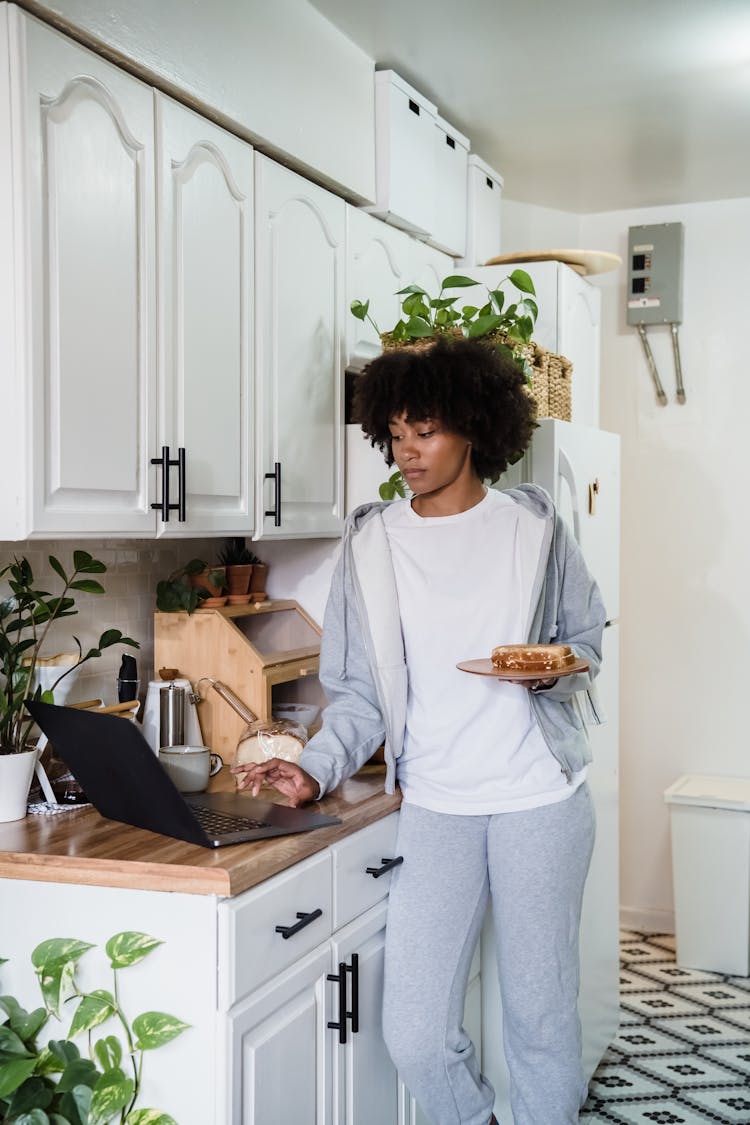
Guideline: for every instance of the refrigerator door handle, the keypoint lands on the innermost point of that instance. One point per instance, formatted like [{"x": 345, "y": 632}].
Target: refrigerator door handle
[{"x": 565, "y": 470}]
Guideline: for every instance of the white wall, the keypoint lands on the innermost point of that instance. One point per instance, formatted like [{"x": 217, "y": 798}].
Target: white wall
[
  {"x": 686, "y": 543},
  {"x": 279, "y": 72},
  {"x": 526, "y": 226}
]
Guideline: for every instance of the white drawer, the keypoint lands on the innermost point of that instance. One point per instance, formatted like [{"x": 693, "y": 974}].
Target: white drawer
[
  {"x": 251, "y": 949},
  {"x": 354, "y": 888}
]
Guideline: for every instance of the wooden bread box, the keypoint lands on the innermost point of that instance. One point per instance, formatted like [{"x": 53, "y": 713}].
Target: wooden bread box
[{"x": 267, "y": 654}]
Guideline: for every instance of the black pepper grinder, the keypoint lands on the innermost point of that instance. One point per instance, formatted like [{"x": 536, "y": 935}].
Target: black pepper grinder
[{"x": 127, "y": 680}]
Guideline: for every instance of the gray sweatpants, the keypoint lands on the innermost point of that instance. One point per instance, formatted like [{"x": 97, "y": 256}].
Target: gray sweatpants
[{"x": 533, "y": 865}]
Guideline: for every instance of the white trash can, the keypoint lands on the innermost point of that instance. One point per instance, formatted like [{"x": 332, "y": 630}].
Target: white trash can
[{"x": 710, "y": 829}]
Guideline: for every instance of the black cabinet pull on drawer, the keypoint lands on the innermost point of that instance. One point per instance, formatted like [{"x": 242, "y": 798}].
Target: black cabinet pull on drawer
[
  {"x": 304, "y": 920},
  {"x": 388, "y": 865}
]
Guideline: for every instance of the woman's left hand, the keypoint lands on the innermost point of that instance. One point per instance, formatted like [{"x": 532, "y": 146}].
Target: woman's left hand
[{"x": 533, "y": 685}]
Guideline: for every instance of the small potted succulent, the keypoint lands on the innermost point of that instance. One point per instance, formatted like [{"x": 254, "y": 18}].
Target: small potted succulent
[
  {"x": 26, "y": 614},
  {"x": 238, "y": 561}
]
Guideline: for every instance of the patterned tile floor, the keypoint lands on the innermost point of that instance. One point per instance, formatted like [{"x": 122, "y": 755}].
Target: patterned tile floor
[{"x": 682, "y": 1054}]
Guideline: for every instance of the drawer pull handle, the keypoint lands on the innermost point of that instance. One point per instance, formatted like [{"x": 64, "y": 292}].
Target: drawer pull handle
[
  {"x": 304, "y": 920},
  {"x": 388, "y": 865}
]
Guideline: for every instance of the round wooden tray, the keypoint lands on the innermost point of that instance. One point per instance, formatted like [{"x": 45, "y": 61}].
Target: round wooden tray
[{"x": 487, "y": 668}]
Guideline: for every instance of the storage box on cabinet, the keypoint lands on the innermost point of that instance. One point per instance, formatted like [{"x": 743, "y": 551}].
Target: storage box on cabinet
[
  {"x": 483, "y": 210},
  {"x": 451, "y": 189},
  {"x": 251, "y": 949},
  {"x": 357, "y": 865},
  {"x": 404, "y": 155}
]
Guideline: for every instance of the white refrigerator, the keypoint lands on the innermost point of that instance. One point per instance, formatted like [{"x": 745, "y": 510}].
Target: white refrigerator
[{"x": 580, "y": 468}]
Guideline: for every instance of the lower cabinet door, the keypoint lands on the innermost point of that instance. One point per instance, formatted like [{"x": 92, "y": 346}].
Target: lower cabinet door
[
  {"x": 280, "y": 1068},
  {"x": 365, "y": 1082}
]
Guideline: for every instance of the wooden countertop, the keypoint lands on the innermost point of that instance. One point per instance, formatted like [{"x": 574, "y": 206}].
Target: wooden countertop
[{"x": 80, "y": 846}]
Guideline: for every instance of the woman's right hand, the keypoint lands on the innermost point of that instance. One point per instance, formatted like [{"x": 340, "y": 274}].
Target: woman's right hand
[{"x": 287, "y": 777}]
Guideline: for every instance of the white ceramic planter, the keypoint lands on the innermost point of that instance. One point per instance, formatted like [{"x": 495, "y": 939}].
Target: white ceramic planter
[{"x": 16, "y": 771}]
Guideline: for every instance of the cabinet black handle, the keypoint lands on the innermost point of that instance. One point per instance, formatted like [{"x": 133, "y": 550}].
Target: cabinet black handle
[
  {"x": 340, "y": 978},
  {"x": 304, "y": 920},
  {"x": 344, "y": 1012},
  {"x": 353, "y": 1012},
  {"x": 166, "y": 463},
  {"x": 181, "y": 487},
  {"x": 275, "y": 511},
  {"x": 388, "y": 865}
]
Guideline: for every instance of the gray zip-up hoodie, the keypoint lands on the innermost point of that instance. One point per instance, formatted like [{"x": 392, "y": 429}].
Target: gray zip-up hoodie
[{"x": 363, "y": 667}]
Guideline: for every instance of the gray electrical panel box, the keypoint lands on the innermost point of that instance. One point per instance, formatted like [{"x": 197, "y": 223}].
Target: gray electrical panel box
[{"x": 655, "y": 274}]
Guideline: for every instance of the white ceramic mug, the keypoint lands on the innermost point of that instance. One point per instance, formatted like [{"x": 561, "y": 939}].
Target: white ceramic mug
[{"x": 190, "y": 766}]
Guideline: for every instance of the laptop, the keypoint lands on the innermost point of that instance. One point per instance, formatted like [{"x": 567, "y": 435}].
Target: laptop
[{"x": 123, "y": 779}]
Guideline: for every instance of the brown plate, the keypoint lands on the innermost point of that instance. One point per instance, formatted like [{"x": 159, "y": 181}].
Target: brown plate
[{"x": 487, "y": 668}]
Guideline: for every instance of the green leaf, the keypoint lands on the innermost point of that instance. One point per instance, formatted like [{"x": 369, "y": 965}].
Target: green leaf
[
  {"x": 484, "y": 324},
  {"x": 25, "y": 1024},
  {"x": 35, "y": 1093},
  {"x": 34, "y": 1117},
  {"x": 358, "y": 309},
  {"x": 149, "y": 1117},
  {"x": 458, "y": 281},
  {"x": 56, "y": 983},
  {"x": 11, "y": 1045},
  {"x": 497, "y": 299},
  {"x": 413, "y": 289},
  {"x": 415, "y": 306},
  {"x": 14, "y": 1074},
  {"x": 154, "y": 1029},
  {"x": 75, "y": 1105},
  {"x": 94, "y": 1008},
  {"x": 417, "y": 329},
  {"x": 78, "y": 1072},
  {"x": 110, "y": 637},
  {"x": 522, "y": 281},
  {"x": 57, "y": 950},
  {"x": 108, "y": 1052},
  {"x": 129, "y": 947},
  {"x": 442, "y": 303},
  {"x": 87, "y": 585},
  {"x": 57, "y": 567},
  {"x": 111, "y": 1093}
]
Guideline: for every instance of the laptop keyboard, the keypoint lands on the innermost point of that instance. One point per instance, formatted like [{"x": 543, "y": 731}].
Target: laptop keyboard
[{"x": 219, "y": 823}]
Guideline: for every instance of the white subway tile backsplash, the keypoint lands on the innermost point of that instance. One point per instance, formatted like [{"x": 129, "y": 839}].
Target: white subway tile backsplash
[{"x": 133, "y": 569}]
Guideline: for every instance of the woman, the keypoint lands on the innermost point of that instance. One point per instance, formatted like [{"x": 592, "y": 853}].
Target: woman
[{"x": 495, "y": 804}]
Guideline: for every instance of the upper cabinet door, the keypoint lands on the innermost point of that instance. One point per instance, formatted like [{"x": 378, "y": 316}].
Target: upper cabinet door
[
  {"x": 88, "y": 174},
  {"x": 378, "y": 260},
  {"x": 299, "y": 309},
  {"x": 205, "y": 233}
]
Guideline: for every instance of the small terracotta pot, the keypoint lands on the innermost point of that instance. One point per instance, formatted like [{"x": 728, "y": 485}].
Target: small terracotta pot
[
  {"x": 238, "y": 578},
  {"x": 202, "y": 579},
  {"x": 258, "y": 578}
]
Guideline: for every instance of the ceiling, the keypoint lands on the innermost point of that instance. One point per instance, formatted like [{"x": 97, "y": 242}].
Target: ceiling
[{"x": 582, "y": 105}]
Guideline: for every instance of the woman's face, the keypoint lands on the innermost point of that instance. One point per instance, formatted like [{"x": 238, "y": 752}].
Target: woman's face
[{"x": 430, "y": 457}]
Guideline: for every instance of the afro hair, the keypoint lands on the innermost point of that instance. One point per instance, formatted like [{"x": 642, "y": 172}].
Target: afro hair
[{"x": 472, "y": 389}]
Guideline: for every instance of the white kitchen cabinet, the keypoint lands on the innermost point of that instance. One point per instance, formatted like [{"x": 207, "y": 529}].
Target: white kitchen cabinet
[
  {"x": 322, "y": 1007},
  {"x": 205, "y": 269},
  {"x": 87, "y": 283},
  {"x": 82, "y": 168},
  {"x": 299, "y": 355}
]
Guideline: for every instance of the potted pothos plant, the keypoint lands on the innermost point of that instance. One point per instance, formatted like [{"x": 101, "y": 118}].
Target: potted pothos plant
[
  {"x": 27, "y": 612},
  {"x": 189, "y": 586},
  {"x": 55, "y": 1083},
  {"x": 505, "y": 324}
]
